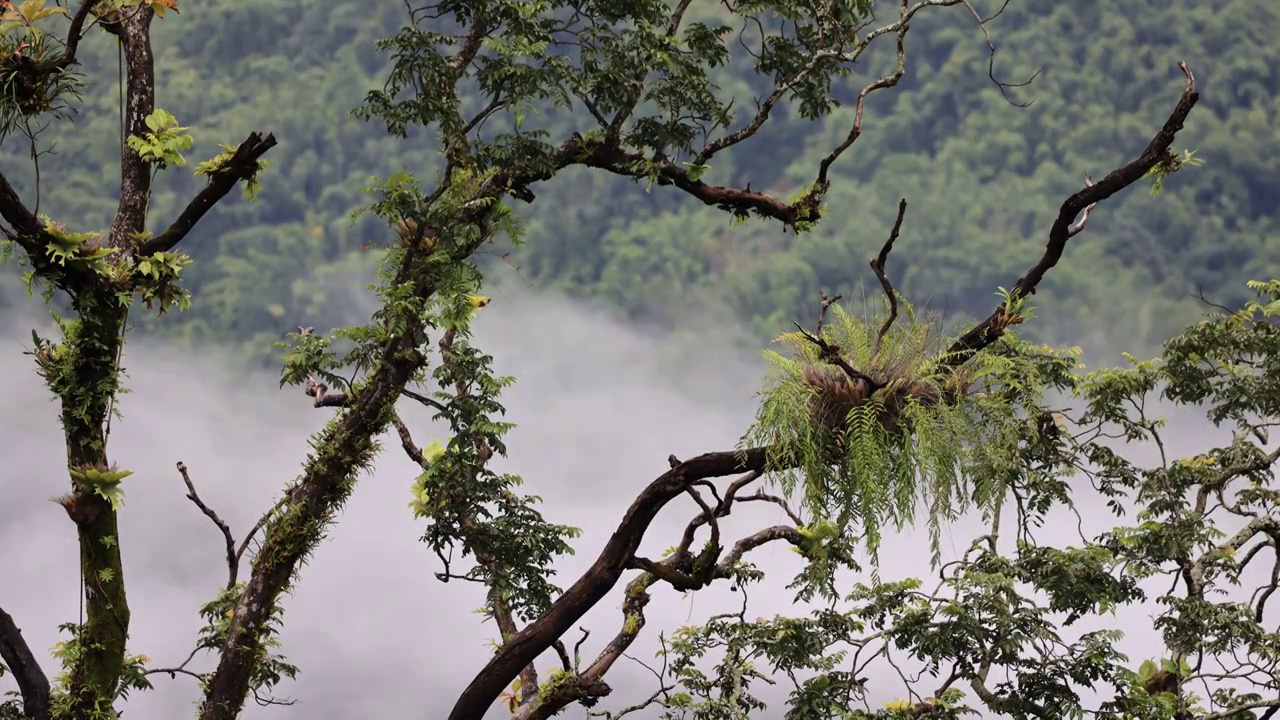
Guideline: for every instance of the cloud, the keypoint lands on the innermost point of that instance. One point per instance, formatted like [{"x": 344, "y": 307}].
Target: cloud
[{"x": 600, "y": 406}]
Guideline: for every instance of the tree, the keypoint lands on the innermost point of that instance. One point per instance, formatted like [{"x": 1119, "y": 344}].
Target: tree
[
  {"x": 99, "y": 278},
  {"x": 862, "y": 420}
]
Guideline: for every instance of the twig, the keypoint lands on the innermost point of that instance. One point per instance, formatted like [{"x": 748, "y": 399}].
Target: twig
[
  {"x": 406, "y": 440},
  {"x": 577, "y": 647},
  {"x": 991, "y": 57},
  {"x": 1199, "y": 294},
  {"x": 233, "y": 563},
  {"x": 877, "y": 266},
  {"x": 831, "y": 354},
  {"x": 244, "y": 544},
  {"x": 423, "y": 399},
  {"x": 762, "y": 496},
  {"x": 182, "y": 668},
  {"x": 827, "y": 302}
]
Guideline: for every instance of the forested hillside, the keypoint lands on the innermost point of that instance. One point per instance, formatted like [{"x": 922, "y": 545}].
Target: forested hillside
[{"x": 983, "y": 175}]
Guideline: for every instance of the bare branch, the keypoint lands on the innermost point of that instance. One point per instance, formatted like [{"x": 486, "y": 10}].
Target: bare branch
[
  {"x": 738, "y": 201},
  {"x": 423, "y": 399},
  {"x": 590, "y": 682},
  {"x": 181, "y": 668},
  {"x": 991, "y": 56},
  {"x": 253, "y": 531},
  {"x": 577, "y": 647},
  {"x": 751, "y": 542},
  {"x": 832, "y": 354},
  {"x": 25, "y": 228},
  {"x": 1199, "y": 295},
  {"x": 877, "y": 266},
  {"x": 761, "y": 496},
  {"x": 565, "y": 663},
  {"x": 888, "y": 81},
  {"x": 406, "y": 440},
  {"x": 1156, "y": 153},
  {"x": 32, "y": 682},
  {"x": 723, "y": 508},
  {"x": 233, "y": 558}
]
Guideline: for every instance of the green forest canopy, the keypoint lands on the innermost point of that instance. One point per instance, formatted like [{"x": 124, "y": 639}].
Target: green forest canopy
[{"x": 984, "y": 176}]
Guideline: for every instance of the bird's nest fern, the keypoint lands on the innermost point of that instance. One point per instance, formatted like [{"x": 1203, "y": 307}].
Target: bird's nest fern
[
  {"x": 867, "y": 421},
  {"x": 32, "y": 85}
]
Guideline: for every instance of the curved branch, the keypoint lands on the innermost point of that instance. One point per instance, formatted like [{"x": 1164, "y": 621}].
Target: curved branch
[
  {"x": 1157, "y": 153},
  {"x": 32, "y": 682},
  {"x": 877, "y": 266},
  {"x": 590, "y": 682},
  {"x": 233, "y": 558},
  {"x": 74, "y": 33},
  {"x": 599, "y": 579}
]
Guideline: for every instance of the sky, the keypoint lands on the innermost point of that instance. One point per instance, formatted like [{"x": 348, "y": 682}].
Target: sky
[{"x": 599, "y": 405}]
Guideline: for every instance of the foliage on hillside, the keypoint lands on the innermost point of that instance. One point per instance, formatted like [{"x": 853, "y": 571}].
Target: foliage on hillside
[{"x": 983, "y": 175}]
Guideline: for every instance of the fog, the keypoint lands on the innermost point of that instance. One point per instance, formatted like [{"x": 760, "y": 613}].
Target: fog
[{"x": 599, "y": 405}]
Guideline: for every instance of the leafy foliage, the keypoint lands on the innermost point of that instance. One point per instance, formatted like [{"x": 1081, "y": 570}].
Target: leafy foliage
[
  {"x": 868, "y": 444},
  {"x": 983, "y": 176},
  {"x": 163, "y": 145},
  {"x": 868, "y": 421},
  {"x": 1002, "y": 612}
]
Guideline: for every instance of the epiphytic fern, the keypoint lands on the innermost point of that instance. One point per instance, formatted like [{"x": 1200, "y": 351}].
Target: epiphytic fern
[{"x": 866, "y": 420}]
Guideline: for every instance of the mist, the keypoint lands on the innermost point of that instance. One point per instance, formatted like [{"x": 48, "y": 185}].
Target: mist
[{"x": 600, "y": 406}]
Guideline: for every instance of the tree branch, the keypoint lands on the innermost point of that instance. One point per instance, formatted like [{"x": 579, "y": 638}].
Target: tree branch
[
  {"x": 739, "y": 201},
  {"x": 328, "y": 477},
  {"x": 32, "y": 682},
  {"x": 406, "y": 440},
  {"x": 233, "y": 558},
  {"x": 751, "y": 542},
  {"x": 1157, "y": 153},
  {"x": 599, "y": 579},
  {"x": 242, "y": 165},
  {"x": 590, "y": 683},
  {"x": 888, "y": 81},
  {"x": 27, "y": 231},
  {"x": 74, "y": 33},
  {"x": 877, "y": 266}
]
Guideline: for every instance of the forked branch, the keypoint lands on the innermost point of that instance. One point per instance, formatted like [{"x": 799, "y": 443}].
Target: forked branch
[
  {"x": 234, "y": 552},
  {"x": 593, "y": 585},
  {"x": 877, "y": 266},
  {"x": 74, "y": 33}
]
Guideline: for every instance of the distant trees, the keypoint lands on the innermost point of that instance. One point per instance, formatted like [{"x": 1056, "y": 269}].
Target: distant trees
[{"x": 862, "y": 421}]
